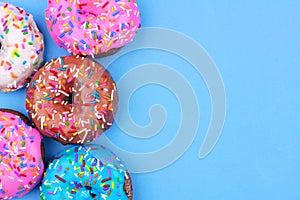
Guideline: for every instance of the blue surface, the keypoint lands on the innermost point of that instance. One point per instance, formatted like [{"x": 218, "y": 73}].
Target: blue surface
[{"x": 256, "y": 47}]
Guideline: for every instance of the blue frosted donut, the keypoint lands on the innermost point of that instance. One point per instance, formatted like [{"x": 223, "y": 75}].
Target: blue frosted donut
[{"x": 86, "y": 172}]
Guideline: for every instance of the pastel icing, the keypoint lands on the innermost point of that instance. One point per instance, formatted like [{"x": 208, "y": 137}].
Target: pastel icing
[
  {"x": 84, "y": 172},
  {"x": 21, "y": 163},
  {"x": 92, "y": 27},
  {"x": 22, "y": 47}
]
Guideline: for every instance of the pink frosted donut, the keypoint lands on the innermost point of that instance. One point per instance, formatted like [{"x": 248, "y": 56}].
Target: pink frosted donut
[
  {"x": 92, "y": 27},
  {"x": 21, "y": 155}
]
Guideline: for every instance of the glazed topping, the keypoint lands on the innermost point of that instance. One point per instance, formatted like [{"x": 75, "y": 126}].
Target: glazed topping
[
  {"x": 21, "y": 164},
  {"x": 21, "y": 49},
  {"x": 91, "y": 27},
  {"x": 72, "y": 99},
  {"x": 91, "y": 172}
]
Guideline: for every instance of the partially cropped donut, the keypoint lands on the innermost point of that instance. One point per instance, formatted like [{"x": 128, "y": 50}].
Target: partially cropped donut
[
  {"x": 21, "y": 155},
  {"x": 72, "y": 99},
  {"x": 92, "y": 27},
  {"x": 86, "y": 172},
  {"x": 21, "y": 47}
]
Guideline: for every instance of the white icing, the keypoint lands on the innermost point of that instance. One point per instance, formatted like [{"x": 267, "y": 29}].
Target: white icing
[{"x": 21, "y": 47}]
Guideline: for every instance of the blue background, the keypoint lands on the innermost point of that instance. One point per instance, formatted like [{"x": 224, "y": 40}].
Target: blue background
[{"x": 256, "y": 47}]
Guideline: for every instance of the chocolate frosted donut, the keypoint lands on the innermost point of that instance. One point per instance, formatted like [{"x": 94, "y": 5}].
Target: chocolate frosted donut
[
  {"x": 72, "y": 99},
  {"x": 86, "y": 172}
]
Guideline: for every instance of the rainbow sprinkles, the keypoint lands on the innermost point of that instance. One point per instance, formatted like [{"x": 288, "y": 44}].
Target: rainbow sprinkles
[
  {"x": 92, "y": 27},
  {"x": 22, "y": 47}
]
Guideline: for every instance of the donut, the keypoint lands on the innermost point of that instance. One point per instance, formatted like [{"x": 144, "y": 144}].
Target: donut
[
  {"x": 92, "y": 27},
  {"x": 21, "y": 155},
  {"x": 86, "y": 172},
  {"x": 21, "y": 47},
  {"x": 72, "y": 99}
]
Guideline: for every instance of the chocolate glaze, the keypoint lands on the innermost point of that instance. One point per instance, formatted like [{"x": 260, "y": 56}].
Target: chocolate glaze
[
  {"x": 128, "y": 186},
  {"x": 72, "y": 100},
  {"x": 108, "y": 53}
]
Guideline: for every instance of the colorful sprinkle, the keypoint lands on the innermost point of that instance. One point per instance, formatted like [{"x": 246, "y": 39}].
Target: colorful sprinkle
[
  {"x": 16, "y": 64},
  {"x": 83, "y": 88},
  {"x": 21, "y": 164},
  {"x": 96, "y": 33},
  {"x": 86, "y": 178}
]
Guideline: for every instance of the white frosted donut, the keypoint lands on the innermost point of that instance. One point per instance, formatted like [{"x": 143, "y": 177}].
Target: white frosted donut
[{"x": 22, "y": 47}]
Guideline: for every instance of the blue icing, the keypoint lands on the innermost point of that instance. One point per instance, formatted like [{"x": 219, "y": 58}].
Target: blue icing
[{"x": 84, "y": 172}]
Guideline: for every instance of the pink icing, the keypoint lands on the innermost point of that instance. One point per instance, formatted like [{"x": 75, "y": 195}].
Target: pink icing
[
  {"x": 92, "y": 27},
  {"x": 21, "y": 164}
]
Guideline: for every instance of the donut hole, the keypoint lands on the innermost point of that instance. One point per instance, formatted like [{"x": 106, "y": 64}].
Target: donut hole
[
  {"x": 94, "y": 196},
  {"x": 2, "y": 46},
  {"x": 69, "y": 99}
]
